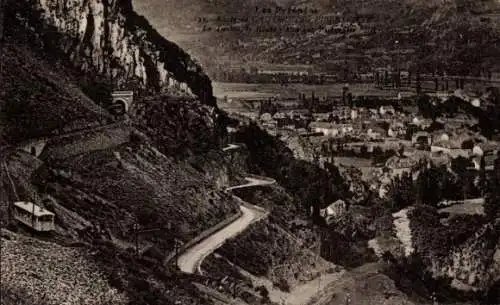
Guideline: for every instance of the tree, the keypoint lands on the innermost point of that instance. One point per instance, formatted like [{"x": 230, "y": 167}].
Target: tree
[
  {"x": 401, "y": 192},
  {"x": 364, "y": 151},
  {"x": 492, "y": 198},
  {"x": 428, "y": 188},
  {"x": 378, "y": 154},
  {"x": 401, "y": 150}
]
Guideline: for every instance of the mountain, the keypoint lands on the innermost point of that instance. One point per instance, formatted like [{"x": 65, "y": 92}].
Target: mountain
[
  {"x": 105, "y": 177},
  {"x": 126, "y": 191},
  {"x": 92, "y": 43},
  {"x": 460, "y": 36}
]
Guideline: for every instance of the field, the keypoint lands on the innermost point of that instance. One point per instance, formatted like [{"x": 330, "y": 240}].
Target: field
[
  {"x": 352, "y": 161},
  {"x": 250, "y": 91},
  {"x": 468, "y": 207},
  {"x": 364, "y": 165}
]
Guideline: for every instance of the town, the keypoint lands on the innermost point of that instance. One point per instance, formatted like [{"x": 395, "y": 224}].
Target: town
[{"x": 384, "y": 137}]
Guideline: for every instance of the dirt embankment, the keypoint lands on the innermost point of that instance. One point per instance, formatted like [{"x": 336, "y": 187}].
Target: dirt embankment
[{"x": 46, "y": 273}]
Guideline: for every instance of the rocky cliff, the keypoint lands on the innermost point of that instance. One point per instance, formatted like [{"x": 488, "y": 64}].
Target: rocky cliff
[
  {"x": 108, "y": 39},
  {"x": 463, "y": 251}
]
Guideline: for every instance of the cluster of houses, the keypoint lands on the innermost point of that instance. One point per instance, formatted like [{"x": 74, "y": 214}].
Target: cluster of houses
[{"x": 363, "y": 123}]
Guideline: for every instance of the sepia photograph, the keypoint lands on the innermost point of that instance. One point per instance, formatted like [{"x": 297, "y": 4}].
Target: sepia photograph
[{"x": 248, "y": 152}]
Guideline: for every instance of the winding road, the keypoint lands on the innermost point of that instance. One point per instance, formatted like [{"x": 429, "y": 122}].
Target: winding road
[{"x": 190, "y": 261}]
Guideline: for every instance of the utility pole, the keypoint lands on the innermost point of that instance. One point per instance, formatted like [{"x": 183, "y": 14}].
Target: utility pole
[
  {"x": 234, "y": 260},
  {"x": 136, "y": 229},
  {"x": 137, "y": 232},
  {"x": 398, "y": 76},
  {"x": 176, "y": 247},
  {"x": 33, "y": 219},
  {"x": 2, "y": 22},
  {"x": 319, "y": 255}
]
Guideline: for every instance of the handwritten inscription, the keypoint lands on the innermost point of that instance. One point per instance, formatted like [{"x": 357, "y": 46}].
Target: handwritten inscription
[{"x": 278, "y": 19}]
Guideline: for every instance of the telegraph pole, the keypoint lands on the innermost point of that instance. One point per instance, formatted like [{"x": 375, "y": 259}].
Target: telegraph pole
[
  {"x": 2, "y": 23},
  {"x": 136, "y": 229},
  {"x": 234, "y": 260},
  {"x": 33, "y": 217},
  {"x": 137, "y": 232}
]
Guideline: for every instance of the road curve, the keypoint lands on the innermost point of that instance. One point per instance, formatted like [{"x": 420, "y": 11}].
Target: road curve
[
  {"x": 231, "y": 147},
  {"x": 190, "y": 261}
]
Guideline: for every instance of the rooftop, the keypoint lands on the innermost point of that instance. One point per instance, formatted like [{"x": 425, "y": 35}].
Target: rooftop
[
  {"x": 32, "y": 208},
  {"x": 122, "y": 92},
  {"x": 400, "y": 162}
]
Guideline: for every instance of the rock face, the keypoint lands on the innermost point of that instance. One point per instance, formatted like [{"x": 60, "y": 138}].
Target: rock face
[
  {"x": 462, "y": 251},
  {"x": 471, "y": 265},
  {"x": 107, "y": 38},
  {"x": 465, "y": 253}
]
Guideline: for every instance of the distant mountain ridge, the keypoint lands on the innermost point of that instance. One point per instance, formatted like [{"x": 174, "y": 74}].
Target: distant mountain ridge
[{"x": 461, "y": 33}]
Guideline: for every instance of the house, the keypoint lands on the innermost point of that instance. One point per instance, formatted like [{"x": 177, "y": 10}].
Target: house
[
  {"x": 373, "y": 113},
  {"x": 459, "y": 152},
  {"x": 334, "y": 210},
  {"x": 489, "y": 162},
  {"x": 34, "y": 147},
  {"x": 421, "y": 122},
  {"x": 397, "y": 165},
  {"x": 440, "y": 137},
  {"x": 354, "y": 114},
  {"x": 481, "y": 149},
  {"x": 265, "y": 117},
  {"x": 476, "y": 102},
  {"x": 442, "y": 146},
  {"x": 282, "y": 119},
  {"x": 439, "y": 158},
  {"x": 328, "y": 129},
  {"x": 387, "y": 110},
  {"x": 375, "y": 133},
  {"x": 397, "y": 162},
  {"x": 342, "y": 113},
  {"x": 421, "y": 137},
  {"x": 346, "y": 128},
  {"x": 391, "y": 133}
]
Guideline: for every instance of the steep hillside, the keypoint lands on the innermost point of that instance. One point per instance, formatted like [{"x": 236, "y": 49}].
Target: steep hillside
[
  {"x": 159, "y": 169},
  {"x": 460, "y": 261},
  {"x": 100, "y": 199},
  {"x": 109, "y": 39},
  {"x": 65, "y": 52},
  {"x": 464, "y": 252},
  {"x": 38, "y": 98},
  {"x": 339, "y": 34}
]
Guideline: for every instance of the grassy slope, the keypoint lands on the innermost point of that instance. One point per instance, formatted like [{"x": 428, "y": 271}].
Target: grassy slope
[{"x": 139, "y": 183}]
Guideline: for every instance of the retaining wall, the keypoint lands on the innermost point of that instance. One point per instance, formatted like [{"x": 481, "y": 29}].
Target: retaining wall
[
  {"x": 97, "y": 139},
  {"x": 203, "y": 235}
]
